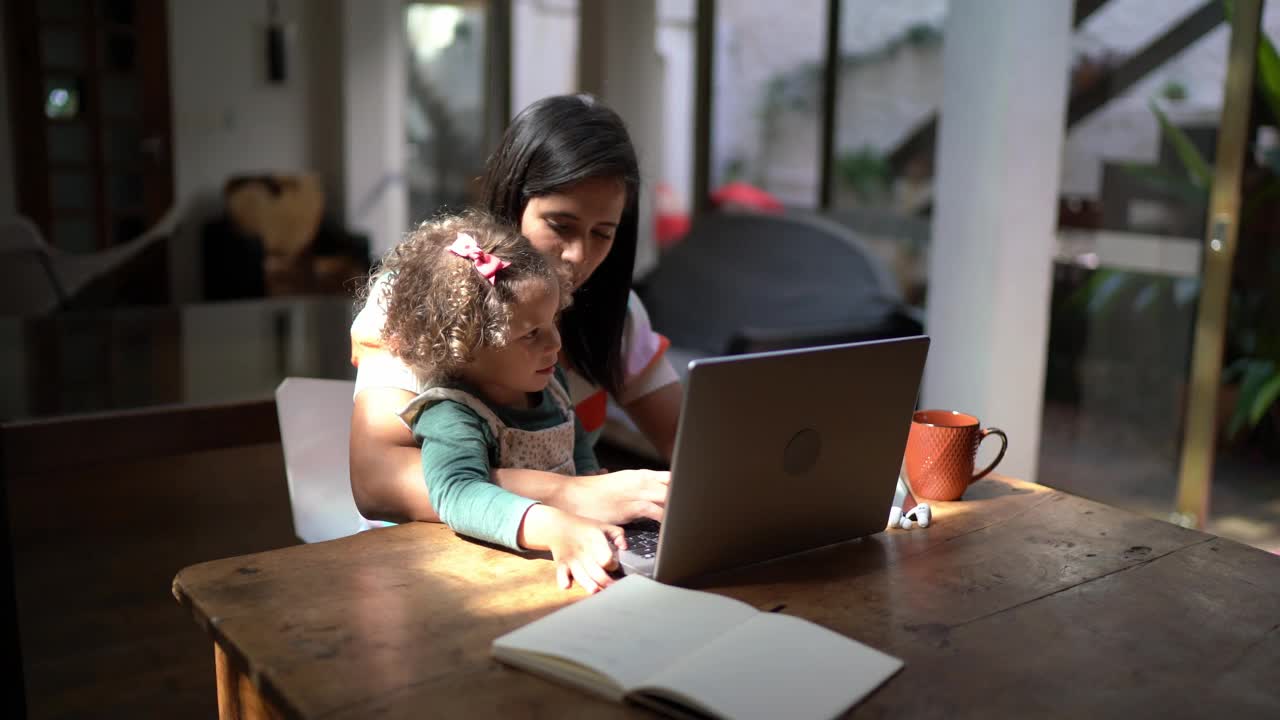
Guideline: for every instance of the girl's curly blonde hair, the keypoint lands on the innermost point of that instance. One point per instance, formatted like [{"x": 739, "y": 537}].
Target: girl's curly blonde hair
[{"x": 440, "y": 310}]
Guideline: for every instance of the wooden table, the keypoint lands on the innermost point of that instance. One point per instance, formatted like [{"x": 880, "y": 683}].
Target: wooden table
[{"x": 1020, "y": 601}]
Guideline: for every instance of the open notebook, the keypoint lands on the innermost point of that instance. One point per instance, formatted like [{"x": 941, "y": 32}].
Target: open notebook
[{"x": 689, "y": 653}]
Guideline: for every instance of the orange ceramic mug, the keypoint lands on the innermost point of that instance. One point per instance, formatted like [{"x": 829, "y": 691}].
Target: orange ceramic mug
[{"x": 941, "y": 449}]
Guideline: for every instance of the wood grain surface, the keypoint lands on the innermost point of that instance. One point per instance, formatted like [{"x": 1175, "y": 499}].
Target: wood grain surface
[{"x": 1017, "y": 601}]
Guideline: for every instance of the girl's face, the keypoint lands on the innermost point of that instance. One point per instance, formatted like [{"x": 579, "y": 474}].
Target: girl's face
[
  {"x": 506, "y": 375},
  {"x": 577, "y": 224}
]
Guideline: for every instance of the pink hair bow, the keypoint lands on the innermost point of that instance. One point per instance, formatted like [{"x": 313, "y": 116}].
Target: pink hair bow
[{"x": 488, "y": 265}]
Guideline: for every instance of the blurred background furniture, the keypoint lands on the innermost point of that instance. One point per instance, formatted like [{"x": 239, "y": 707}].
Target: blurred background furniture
[
  {"x": 37, "y": 278},
  {"x": 900, "y": 240},
  {"x": 128, "y": 358},
  {"x": 272, "y": 237},
  {"x": 744, "y": 282}
]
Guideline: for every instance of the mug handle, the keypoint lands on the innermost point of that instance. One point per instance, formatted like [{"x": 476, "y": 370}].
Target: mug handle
[{"x": 1004, "y": 445}]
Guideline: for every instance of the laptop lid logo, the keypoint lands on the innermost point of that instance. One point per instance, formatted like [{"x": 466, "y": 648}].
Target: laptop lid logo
[{"x": 802, "y": 452}]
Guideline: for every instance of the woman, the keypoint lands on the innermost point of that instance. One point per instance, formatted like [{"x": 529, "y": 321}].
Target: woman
[{"x": 566, "y": 174}]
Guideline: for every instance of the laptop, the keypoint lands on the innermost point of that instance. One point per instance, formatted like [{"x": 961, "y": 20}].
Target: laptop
[{"x": 781, "y": 452}]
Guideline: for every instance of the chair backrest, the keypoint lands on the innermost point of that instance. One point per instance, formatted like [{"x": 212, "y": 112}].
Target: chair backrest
[
  {"x": 315, "y": 428},
  {"x": 768, "y": 275}
]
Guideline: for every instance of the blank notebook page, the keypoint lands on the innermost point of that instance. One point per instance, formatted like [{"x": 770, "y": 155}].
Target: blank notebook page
[{"x": 777, "y": 666}]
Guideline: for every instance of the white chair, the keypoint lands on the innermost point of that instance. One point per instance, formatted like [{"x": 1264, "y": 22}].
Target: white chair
[{"x": 315, "y": 429}]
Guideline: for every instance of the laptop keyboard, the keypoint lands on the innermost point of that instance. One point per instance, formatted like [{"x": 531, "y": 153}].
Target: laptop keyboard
[{"x": 642, "y": 537}]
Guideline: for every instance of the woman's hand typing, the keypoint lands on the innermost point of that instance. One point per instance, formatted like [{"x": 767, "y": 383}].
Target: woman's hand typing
[{"x": 617, "y": 497}]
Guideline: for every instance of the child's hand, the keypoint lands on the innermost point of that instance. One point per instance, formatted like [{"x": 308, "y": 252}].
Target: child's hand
[{"x": 583, "y": 549}]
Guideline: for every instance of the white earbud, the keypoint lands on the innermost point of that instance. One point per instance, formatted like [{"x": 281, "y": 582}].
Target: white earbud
[
  {"x": 895, "y": 516},
  {"x": 921, "y": 514}
]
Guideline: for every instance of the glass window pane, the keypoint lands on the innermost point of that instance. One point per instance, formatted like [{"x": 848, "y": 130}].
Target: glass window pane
[
  {"x": 125, "y": 191},
  {"x": 768, "y": 97},
  {"x": 888, "y": 93},
  {"x": 119, "y": 52},
  {"x": 120, "y": 95},
  {"x": 1127, "y": 276},
  {"x": 123, "y": 147},
  {"x": 62, "y": 9},
  {"x": 74, "y": 235},
  {"x": 71, "y": 190},
  {"x": 68, "y": 143},
  {"x": 62, "y": 47},
  {"x": 116, "y": 11},
  {"x": 445, "y": 108},
  {"x": 1122, "y": 27},
  {"x": 1248, "y": 454},
  {"x": 888, "y": 96},
  {"x": 126, "y": 228},
  {"x": 1120, "y": 171}
]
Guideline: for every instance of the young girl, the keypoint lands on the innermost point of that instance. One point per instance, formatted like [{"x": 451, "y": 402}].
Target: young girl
[
  {"x": 472, "y": 308},
  {"x": 566, "y": 175}
]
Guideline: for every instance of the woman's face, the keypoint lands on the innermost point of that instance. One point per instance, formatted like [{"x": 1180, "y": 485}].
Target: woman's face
[{"x": 577, "y": 224}]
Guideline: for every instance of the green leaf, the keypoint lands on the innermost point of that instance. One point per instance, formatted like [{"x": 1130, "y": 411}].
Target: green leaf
[
  {"x": 1237, "y": 422},
  {"x": 1258, "y": 375},
  {"x": 1147, "y": 296},
  {"x": 1162, "y": 180},
  {"x": 1098, "y": 294},
  {"x": 1194, "y": 163},
  {"x": 1234, "y": 371},
  {"x": 1268, "y": 71},
  {"x": 1269, "y": 75},
  {"x": 1263, "y": 400}
]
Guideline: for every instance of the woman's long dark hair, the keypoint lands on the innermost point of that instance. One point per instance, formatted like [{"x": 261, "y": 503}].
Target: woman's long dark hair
[{"x": 551, "y": 145}]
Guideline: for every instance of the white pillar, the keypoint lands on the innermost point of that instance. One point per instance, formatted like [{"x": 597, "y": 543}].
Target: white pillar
[
  {"x": 676, "y": 45},
  {"x": 618, "y": 62},
  {"x": 374, "y": 85},
  {"x": 1005, "y": 70},
  {"x": 544, "y": 51}
]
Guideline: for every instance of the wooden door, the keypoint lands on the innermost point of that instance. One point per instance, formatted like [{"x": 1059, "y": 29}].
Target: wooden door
[{"x": 89, "y": 107}]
